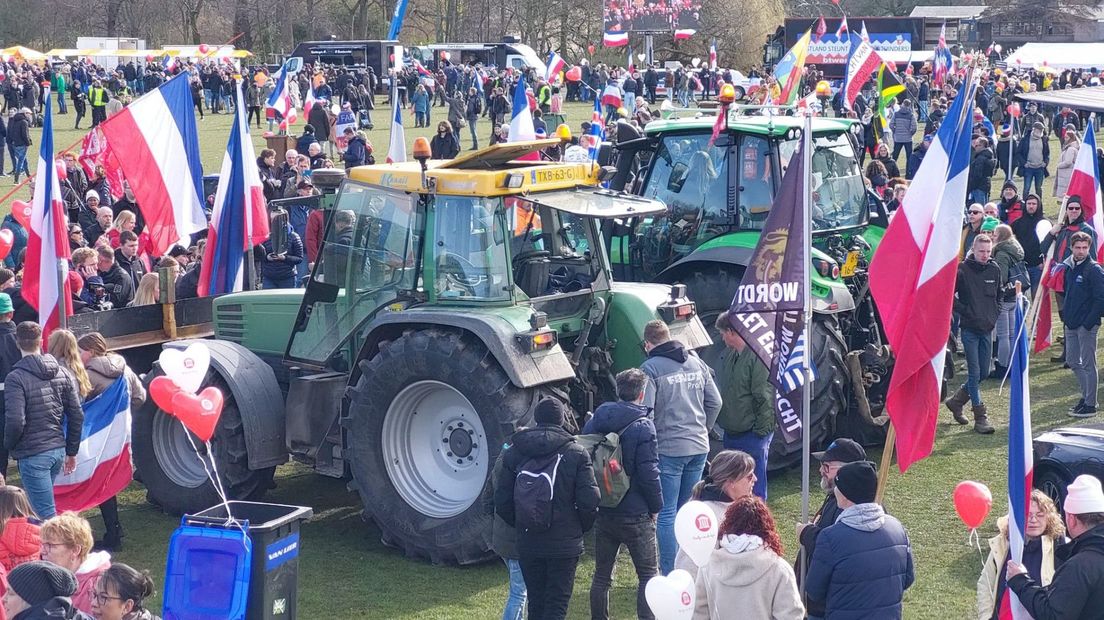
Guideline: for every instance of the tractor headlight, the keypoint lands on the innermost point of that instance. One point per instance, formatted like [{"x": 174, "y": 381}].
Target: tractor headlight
[{"x": 513, "y": 180}]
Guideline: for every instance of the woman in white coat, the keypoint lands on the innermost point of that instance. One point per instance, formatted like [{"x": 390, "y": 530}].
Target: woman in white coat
[{"x": 1070, "y": 146}]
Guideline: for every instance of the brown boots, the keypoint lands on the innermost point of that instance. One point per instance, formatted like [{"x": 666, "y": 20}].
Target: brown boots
[
  {"x": 981, "y": 421},
  {"x": 956, "y": 402}
]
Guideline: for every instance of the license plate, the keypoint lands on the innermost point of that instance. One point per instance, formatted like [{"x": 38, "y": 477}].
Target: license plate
[{"x": 852, "y": 263}]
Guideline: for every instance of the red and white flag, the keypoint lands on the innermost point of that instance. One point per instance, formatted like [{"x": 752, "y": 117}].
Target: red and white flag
[
  {"x": 396, "y": 149},
  {"x": 912, "y": 278},
  {"x": 47, "y": 241},
  {"x": 842, "y": 30},
  {"x": 821, "y": 28}
]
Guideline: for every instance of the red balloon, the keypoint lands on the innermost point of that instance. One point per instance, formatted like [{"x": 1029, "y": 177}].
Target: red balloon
[
  {"x": 21, "y": 211},
  {"x": 7, "y": 239},
  {"x": 149, "y": 57},
  {"x": 574, "y": 74},
  {"x": 62, "y": 171},
  {"x": 590, "y": 49},
  {"x": 199, "y": 412},
  {"x": 1014, "y": 110},
  {"x": 972, "y": 502},
  {"x": 162, "y": 389},
  {"x": 203, "y": 48}
]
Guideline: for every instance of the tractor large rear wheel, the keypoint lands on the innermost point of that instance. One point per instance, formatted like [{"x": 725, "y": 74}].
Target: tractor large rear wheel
[
  {"x": 712, "y": 291},
  {"x": 427, "y": 420},
  {"x": 170, "y": 467}
]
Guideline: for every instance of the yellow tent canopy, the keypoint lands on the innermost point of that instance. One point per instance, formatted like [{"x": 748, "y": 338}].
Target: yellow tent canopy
[
  {"x": 186, "y": 52},
  {"x": 26, "y": 53}
]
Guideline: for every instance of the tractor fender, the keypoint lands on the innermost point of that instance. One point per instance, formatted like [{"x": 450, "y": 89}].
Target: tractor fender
[
  {"x": 839, "y": 299},
  {"x": 525, "y": 370},
  {"x": 257, "y": 394}
]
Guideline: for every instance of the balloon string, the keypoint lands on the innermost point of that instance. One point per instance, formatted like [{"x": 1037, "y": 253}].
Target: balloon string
[
  {"x": 217, "y": 484},
  {"x": 974, "y": 539}
]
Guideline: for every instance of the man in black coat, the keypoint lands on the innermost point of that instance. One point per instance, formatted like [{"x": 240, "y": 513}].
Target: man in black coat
[
  {"x": 39, "y": 398},
  {"x": 118, "y": 282},
  {"x": 549, "y": 538},
  {"x": 1077, "y": 589},
  {"x": 839, "y": 453},
  {"x": 977, "y": 292},
  {"x": 632, "y": 521}
]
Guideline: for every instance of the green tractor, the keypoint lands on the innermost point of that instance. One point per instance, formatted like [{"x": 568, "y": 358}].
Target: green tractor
[
  {"x": 449, "y": 297},
  {"x": 718, "y": 194}
]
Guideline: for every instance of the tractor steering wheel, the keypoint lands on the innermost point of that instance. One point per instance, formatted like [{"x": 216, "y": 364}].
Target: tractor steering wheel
[{"x": 456, "y": 270}]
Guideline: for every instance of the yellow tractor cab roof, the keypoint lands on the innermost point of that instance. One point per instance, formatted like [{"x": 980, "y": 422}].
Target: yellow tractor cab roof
[{"x": 491, "y": 171}]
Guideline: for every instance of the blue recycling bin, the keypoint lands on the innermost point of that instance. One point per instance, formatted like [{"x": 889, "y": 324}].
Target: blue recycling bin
[{"x": 218, "y": 570}]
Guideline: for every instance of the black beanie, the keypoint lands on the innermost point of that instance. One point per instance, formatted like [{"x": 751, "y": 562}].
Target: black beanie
[
  {"x": 549, "y": 411},
  {"x": 1008, "y": 184},
  {"x": 37, "y": 582},
  {"x": 858, "y": 481}
]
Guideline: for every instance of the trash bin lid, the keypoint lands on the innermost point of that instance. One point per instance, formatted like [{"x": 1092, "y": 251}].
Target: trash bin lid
[
  {"x": 207, "y": 575},
  {"x": 261, "y": 516}
]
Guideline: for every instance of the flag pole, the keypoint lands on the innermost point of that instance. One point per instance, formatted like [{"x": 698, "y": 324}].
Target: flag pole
[
  {"x": 806, "y": 367},
  {"x": 887, "y": 460}
]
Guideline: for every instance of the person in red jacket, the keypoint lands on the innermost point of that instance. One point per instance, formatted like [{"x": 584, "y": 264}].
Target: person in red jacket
[
  {"x": 20, "y": 540},
  {"x": 316, "y": 228}
]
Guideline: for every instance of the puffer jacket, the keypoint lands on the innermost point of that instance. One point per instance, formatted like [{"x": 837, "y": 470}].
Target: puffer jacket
[
  {"x": 639, "y": 453},
  {"x": 38, "y": 395},
  {"x": 862, "y": 565},
  {"x": 575, "y": 493},
  {"x": 21, "y": 542},
  {"x": 977, "y": 291},
  {"x": 745, "y": 575},
  {"x": 903, "y": 125},
  {"x": 1006, "y": 254},
  {"x": 88, "y": 573},
  {"x": 104, "y": 370}
]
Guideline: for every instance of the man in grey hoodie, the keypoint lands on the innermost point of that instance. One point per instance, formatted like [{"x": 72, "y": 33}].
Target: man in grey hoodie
[{"x": 685, "y": 403}]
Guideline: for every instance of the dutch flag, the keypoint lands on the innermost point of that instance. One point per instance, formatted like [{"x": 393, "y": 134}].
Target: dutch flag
[
  {"x": 280, "y": 99},
  {"x": 103, "y": 461},
  {"x": 1020, "y": 457},
  {"x": 554, "y": 66}
]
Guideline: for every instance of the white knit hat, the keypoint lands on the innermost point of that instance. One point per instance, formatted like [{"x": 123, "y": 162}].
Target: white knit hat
[{"x": 1084, "y": 496}]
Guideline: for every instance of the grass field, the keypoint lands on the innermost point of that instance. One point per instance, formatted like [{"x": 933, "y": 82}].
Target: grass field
[{"x": 346, "y": 573}]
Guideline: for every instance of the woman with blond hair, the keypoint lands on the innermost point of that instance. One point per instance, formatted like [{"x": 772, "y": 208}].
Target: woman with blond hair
[
  {"x": 67, "y": 542},
  {"x": 62, "y": 344},
  {"x": 1045, "y": 531},
  {"x": 148, "y": 291},
  {"x": 104, "y": 369},
  {"x": 127, "y": 220},
  {"x": 731, "y": 476}
]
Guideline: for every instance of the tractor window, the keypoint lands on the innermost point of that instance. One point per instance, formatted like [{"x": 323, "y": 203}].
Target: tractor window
[
  {"x": 470, "y": 250},
  {"x": 839, "y": 196},
  {"x": 366, "y": 259},
  {"x": 755, "y": 178},
  {"x": 690, "y": 177}
]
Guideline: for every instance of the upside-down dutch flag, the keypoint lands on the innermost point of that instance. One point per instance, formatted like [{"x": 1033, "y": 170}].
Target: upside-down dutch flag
[
  {"x": 239, "y": 219},
  {"x": 597, "y": 131},
  {"x": 309, "y": 100},
  {"x": 942, "y": 61},
  {"x": 521, "y": 121},
  {"x": 615, "y": 38},
  {"x": 280, "y": 99},
  {"x": 554, "y": 66},
  {"x": 912, "y": 278},
  {"x": 103, "y": 462},
  {"x": 1020, "y": 457},
  {"x": 713, "y": 54},
  {"x": 47, "y": 243},
  {"x": 396, "y": 149},
  {"x": 862, "y": 61},
  {"x": 684, "y": 33},
  {"x": 157, "y": 142}
]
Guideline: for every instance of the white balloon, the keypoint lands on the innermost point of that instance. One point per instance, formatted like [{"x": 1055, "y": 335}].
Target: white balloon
[
  {"x": 671, "y": 597},
  {"x": 1042, "y": 229},
  {"x": 696, "y": 61},
  {"x": 641, "y": 57},
  {"x": 186, "y": 368},
  {"x": 336, "y": 109},
  {"x": 696, "y": 531},
  {"x": 997, "y": 48}
]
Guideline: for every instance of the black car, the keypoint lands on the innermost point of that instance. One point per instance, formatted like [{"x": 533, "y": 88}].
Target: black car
[{"x": 1065, "y": 453}]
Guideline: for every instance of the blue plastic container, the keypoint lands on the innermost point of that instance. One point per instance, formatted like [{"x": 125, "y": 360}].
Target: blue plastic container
[{"x": 208, "y": 571}]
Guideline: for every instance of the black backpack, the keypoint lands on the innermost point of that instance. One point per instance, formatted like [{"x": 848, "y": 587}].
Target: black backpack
[{"x": 534, "y": 492}]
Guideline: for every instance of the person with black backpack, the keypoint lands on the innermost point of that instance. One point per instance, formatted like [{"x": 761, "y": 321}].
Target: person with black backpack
[
  {"x": 631, "y": 522},
  {"x": 548, "y": 493}
]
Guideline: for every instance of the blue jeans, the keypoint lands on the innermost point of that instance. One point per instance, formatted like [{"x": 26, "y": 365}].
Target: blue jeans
[
  {"x": 208, "y": 98},
  {"x": 19, "y": 163},
  {"x": 979, "y": 351},
  {"x": 677, "y": 477},
  {"x": 1036, "y": 175},
  {"x": 1036, "y": 274},
  {"x": 759, "y": 448},
  {"x": 38, "y": 472},
  {"x": 515, "y": 602},
  {"x": 923, "y": 105},
  {"x": 630, "y": 102},
  {"x": 61, "y": 103},
  {"x": 271, "y": 283},
  {"x": 979, "y": 196}
]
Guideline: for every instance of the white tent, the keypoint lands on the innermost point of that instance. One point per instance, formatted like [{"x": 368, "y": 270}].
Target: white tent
[{"x": 1057, "y": 55}]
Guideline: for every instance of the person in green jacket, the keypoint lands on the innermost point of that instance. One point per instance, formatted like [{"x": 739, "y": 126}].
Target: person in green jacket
[
  {"x": 747, "y": 413},
  {"x": 59, "y": 88}
]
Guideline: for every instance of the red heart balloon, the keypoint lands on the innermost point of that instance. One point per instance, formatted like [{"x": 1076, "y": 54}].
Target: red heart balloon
[
  {"x": 162, "y": 389},
  {"x": 21, "y": 211},
  {"x": 199, "y": 412},
  {"x": 6, "y": 241}
]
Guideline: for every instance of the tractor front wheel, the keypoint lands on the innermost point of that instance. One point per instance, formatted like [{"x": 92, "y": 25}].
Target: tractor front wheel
[{"x": 428, "y": 417}]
